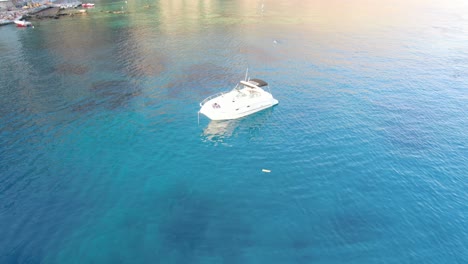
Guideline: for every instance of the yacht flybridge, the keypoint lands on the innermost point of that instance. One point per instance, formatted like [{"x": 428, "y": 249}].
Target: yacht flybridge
[{"x": 246, "y": 98}]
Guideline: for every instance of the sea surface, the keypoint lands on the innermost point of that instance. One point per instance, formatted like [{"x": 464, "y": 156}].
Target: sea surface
[{"x": 103, "y": 158}]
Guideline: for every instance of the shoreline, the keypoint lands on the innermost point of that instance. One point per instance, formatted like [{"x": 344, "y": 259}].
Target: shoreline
[{"x": 9, "y": 16}]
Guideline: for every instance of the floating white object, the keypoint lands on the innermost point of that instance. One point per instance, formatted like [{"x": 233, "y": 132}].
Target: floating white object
[
  {"x": 22, "y": 23},
  {"x": 246, "y": 98},
  {"x": 265, "y": 170}
]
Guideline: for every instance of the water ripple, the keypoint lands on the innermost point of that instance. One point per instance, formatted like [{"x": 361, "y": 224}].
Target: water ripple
[{"x": 102, "y": 160}]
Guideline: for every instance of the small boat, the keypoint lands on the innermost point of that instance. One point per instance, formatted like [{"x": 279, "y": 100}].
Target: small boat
[
  {"x": 22, "y": 23},
  {"x": 246, "y": 98},
  {"x": 87, "y": 5}
]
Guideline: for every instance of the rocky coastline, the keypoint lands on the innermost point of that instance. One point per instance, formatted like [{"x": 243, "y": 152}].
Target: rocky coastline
[{"x": 10, "y": 15}]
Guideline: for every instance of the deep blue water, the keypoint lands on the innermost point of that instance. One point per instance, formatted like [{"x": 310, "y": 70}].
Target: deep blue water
[{"x": 102, "y": 159}]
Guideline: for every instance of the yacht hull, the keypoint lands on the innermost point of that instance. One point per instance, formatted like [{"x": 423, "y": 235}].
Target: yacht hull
[{"x": 237, "y": 104}]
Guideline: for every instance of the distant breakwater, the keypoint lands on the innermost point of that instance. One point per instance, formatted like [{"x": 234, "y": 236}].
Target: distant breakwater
[
  {"x": 16, "y": 14},
  {"x": 42, "y": 12}
]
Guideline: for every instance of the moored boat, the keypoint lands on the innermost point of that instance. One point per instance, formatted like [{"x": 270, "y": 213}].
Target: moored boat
[
  {"x": 87, "y": 5},
  {"x": 246, "y": 98},
  {"x": 22, "y": 23}
]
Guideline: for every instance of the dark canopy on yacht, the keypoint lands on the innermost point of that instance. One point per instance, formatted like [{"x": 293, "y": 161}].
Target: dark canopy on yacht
[{"x": 258, "y": 82}]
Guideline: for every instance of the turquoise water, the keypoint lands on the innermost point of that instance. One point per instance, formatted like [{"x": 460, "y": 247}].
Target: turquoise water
[{"x": 102, "y": 159}]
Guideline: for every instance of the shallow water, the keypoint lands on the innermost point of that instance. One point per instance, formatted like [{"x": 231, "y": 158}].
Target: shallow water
[{"x": 102, "y": 159}]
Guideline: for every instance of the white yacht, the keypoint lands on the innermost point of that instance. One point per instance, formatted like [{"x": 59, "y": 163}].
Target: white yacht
[{"x": 246, "y": 98}]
